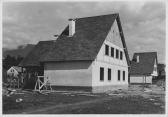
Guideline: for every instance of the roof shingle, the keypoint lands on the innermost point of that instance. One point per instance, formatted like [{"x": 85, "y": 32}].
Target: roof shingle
[{"x": 32, "y": 59}]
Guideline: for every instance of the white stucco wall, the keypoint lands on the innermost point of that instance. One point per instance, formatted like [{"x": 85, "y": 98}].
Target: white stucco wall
[
  {"x": 140, "y": 79},
  {"x": 113, "y": 40},
  {"x": 87, "y": 73},
  {"x": 114, "y": 74},
  {"x": 77, "y": 73}
]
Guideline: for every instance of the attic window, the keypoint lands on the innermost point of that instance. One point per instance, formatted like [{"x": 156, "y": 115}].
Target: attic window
[
  {"x": 106, "y": 50},
  {"x": 117, "y": 53},
  {"x": 121, "y": 55},
  {"x": 112, "y": 52},
  {"x": 155, "y": 69}
]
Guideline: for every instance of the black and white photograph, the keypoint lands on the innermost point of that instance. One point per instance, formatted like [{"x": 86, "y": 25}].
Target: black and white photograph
[{"x": 84, "y": 57}]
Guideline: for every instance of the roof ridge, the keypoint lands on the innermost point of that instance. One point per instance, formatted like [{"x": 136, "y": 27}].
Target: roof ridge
[
  {"x": 144, "y": 52},
  {"x": 46, "y": 40},
  {"x": 95, "y": 16}
]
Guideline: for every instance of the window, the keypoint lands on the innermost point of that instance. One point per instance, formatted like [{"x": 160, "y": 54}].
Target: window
[
  {"x": 121, "y": 55},
  {"x": 112, "y": 51},
  {"x": 155, "y": 69},
  {"x": 109, "y": 74},
  {"x": 119, "y": 75},
  {"x": 123, "y": 75},
  {"x": 106, "y": 50},
  {"x": 117, "y": 53},
  {"x": 101, "y": 73}
]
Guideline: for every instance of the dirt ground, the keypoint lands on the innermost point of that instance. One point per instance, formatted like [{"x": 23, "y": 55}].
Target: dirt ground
[{"x": 136, "y": 100}]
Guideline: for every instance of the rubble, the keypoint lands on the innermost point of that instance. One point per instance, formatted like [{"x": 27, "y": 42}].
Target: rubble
[{"x": 19, "y": 100}]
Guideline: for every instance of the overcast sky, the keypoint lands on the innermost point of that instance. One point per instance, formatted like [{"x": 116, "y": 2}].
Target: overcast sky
[{"x": 143, "y": 23}]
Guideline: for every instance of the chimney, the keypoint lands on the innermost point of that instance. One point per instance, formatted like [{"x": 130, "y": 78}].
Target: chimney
[
  {"x": 71, "y": 27},
  {"x": 137, "y": 59}
]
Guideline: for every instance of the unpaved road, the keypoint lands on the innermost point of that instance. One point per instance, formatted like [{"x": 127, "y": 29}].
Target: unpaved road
[{"x": 132, "y": 101}]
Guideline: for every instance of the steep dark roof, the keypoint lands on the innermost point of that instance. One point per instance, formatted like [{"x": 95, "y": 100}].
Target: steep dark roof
[
  {"x": 90, "y": 33},
  {"x": 86, "y": 42},
  {"x": 32, "y": 59},
  {"x": 145, "y": 65},
  {"x": 18, "y": 69}
]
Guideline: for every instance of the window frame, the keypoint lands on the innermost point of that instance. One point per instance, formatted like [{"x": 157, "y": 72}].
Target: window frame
[
  {"x": 123, "y": 75},
  {"x": 117, "y": 54},
  {"x": 109, "y": 74},
  {"x": 119, "y": 77},
  {"x": 106, "y": 50},
  {"x": 121, "y": 55},
  {"x": 101, "y": 73},
  {"x": 112, "y": 55}
]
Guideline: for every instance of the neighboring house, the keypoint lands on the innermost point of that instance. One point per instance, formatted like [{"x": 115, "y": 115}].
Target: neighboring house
[
  {"x": 90, "y": 53},
  {"x": 143, "y": 67},
  {"x": 14, "y": 71}
]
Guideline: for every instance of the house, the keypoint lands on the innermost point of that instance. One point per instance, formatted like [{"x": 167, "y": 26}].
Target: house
[
  {"x": 14, "y": 71},
  {"x": 90, "y": 54},
  {"x": 143, "y": 67}
]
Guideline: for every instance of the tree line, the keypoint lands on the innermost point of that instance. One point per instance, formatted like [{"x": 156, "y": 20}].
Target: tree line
[{"x": 10, "y": 61}]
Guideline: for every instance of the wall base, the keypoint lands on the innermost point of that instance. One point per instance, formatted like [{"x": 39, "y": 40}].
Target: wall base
[
  {"x": 72, "y": 88},
  {"x": 95, "y": 89},
  {"x": 101, "y": 89}
]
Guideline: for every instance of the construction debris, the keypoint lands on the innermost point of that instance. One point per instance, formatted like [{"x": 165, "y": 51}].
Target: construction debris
[
  {"x": 152, "y": 99},
  {"x": 147, "y": 90},
  {"x": 19, "y": 100}
]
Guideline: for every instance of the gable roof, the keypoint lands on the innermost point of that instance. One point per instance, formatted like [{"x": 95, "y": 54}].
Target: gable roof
[
  {"x": 87, "y": 40},
  {"x": 18, "y": 69},
  {"x": 32, "y": 59},
  {"x": 90, "y": 33},
  {"x": 145, "y": 65}
]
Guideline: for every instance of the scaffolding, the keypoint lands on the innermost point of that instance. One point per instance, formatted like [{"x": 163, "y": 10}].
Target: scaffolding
[{"x": 43, "y": 85}]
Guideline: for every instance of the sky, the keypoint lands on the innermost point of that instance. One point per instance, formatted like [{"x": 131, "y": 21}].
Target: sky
[{"x": 143, "y": 23}]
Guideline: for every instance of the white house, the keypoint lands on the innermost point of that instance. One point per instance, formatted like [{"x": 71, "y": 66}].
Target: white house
[
  {"x": 143, "y": 67},
  {"x": 90, "y": 53},
  {"x": 14, "y": 71}
]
